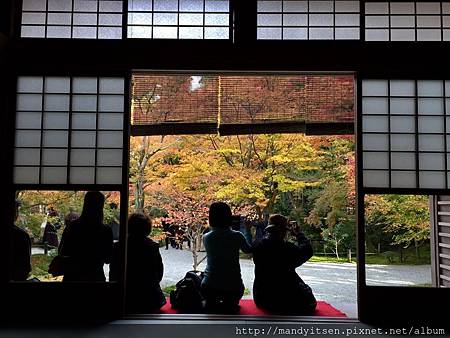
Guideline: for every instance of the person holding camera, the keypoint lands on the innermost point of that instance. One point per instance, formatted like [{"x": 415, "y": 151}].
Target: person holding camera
[{"x": 277, "y": 286}]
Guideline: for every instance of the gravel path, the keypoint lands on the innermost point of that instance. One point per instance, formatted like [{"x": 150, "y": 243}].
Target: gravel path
[{"x": 331, "y": 282}]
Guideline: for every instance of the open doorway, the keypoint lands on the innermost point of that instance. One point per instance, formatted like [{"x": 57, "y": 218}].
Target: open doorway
[{"x": 243, "y": 139}]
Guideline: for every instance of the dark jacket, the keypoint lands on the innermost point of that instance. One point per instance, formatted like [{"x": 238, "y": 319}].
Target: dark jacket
[
  {"x": 87, "y": 248},
  {"x": 144, "y": 273},
  {"x": 277, "y": 285},
  {"x": 21, "y": 254}
]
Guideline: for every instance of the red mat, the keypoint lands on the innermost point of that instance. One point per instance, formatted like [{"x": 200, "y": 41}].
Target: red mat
[{"x": 248, "y": 307}]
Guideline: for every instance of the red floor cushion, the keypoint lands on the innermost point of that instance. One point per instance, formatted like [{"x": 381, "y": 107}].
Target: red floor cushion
[{"x": 248, "y": 307}]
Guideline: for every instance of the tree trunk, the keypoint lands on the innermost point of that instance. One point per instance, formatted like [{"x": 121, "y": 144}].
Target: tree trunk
[
  {"x": 349, "y": 255},
  {"x": 379, "y": 247},
  {"x": 336, "y": 248},
  {"x": 416, "y": 246},
  {"x": 139, "y": 196}
]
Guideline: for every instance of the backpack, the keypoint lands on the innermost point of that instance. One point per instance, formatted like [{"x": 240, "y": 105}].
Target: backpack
[{"x": 187, "y": 296}]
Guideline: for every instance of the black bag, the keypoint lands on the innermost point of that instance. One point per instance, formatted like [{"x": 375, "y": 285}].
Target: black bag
[{"x": 187, "y": 296}]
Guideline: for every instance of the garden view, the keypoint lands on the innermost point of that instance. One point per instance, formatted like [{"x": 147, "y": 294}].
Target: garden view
[{"x": 310, "y": 179}]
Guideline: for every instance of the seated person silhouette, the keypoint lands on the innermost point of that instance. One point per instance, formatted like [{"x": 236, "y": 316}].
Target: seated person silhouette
[
  {"x": 21, "y": 250},
  {"x": 277, "y": 286},
  {"x": 222, "y": 285},
  {"x": 144, "y": 267},
  {"x": 86, "y": 243}
]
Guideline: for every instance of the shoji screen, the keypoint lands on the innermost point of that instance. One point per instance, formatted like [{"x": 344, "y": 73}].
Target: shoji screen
[
  {"x": 78, "y": 19},
  {"x": 308, "y": 20},
  {"x": 405, "y": 133},
  {"x": 407, "y": 21},
  {"x": 179, "y": 19},
  {"x": 69, "y": 130}
]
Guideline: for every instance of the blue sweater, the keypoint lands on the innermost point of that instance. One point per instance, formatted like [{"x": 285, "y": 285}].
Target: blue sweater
[{"x": 223, "y": 271}]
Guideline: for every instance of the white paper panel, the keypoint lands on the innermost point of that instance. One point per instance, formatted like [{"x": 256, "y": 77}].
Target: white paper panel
[
  {"x": 377, "y": 34},
  {"x": 56, "y": 120},
  {"x": 28, "y": 138},
  {"x": 216, "y": 33},
  {"x": 320, "y": 33},
  {"x": 346, "y": 19},
  {"x": 190, "y": 33},
  {"x": 82, "y": 175},
  {"x": 403, "y": 161},
  {"x": 34, "y": 5},
  {"x": 109, "y": 175},
  {"x": 376, "y": 178},
  {"x": 432, "y": 179},
  {"x": 26, "y": 175},
  {"x": 429, "y": 88},
  {"x": 403, "y": 142},
  {"x": 428, "y": 35},
  {"x": 27, "y": 156},
  {"x": 295, "y": 20},
  {"x": 403, "y": 21},
  {"x": 402, "y": 7},
  {"x": 53, "y": 138},
  {"x": 197, "y": 5},
  {"x": 28, "y": 120},
  {"x": 139, "y": 18},
  {"x": 56, "y": 102},
  {"x": 32, "y": 32},
  {"x": 86, "y": 5},
  {"x": 165, "y": 32},
  {"x": 431, "y": 161},
  {"x": 53, "y": 175},
  {"x": 110, "y": 139},
  {"x": 321, "y": 6},
  {"x": 83, "y": 139},
  {"x": 428, "y": 106},
  {"x": 375, "y": 124},
  {"x": 403, "y": 124},
  {"x": 109, "y": 157},
  {"x": 84, "y": 120},
  {"x": 377, "y": 7},
  {"x": 375, "y": 142},
  {"x": 375, "y": 88},
  {"x": 59, "y": 5},
  {"x": 59, "y": 32},
  {"x": 54, "y": 157},
  {"x": 85, "y": 19},
  {"x": 377, "y": 21},
  {"x": 431, "y": 142},
  {"x": 110, "y": 6},
  {"x": 139, "y": 32},
  {"x": 111, "y": 85},
  {"x": 295, "y": 6},
  {"x": 82, "y": 157},
  {"x": 57, "y": 85},
  {"x": 431, "y": 124},
  {"x": 33, "y": 18},
  {"x": 84, "y": 103},
  {"x": 268, "y": 6},
  {"x": 217, "y": 5},
  {"x": 403, "y": 179},
  {"x": 110, "y": 121},
  {"x": 402, "y": 88},
  {"x": 346, "y": 33},
  {"x": 269, "y": 20},
  {"x": 403, "y": 106},
  {"x": 84, "y": 85},
  {"x": 403, "y": 35},
  {"x": 269, "y": 33},
  {"x": 29, "y": 102},
  {"x": 375, "y": 160},
  {"x": 30, "y": 84},
  {"x": 110, "y": 32},
  {"x": 372, "y": 105},
  {"x": 84, "y": 33},
  {"x": 295, "y": 33},
  {"x": 111, "y": 103},
  {"x": 346, "y": 6},
  {"x": 428, "y": 7}
]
